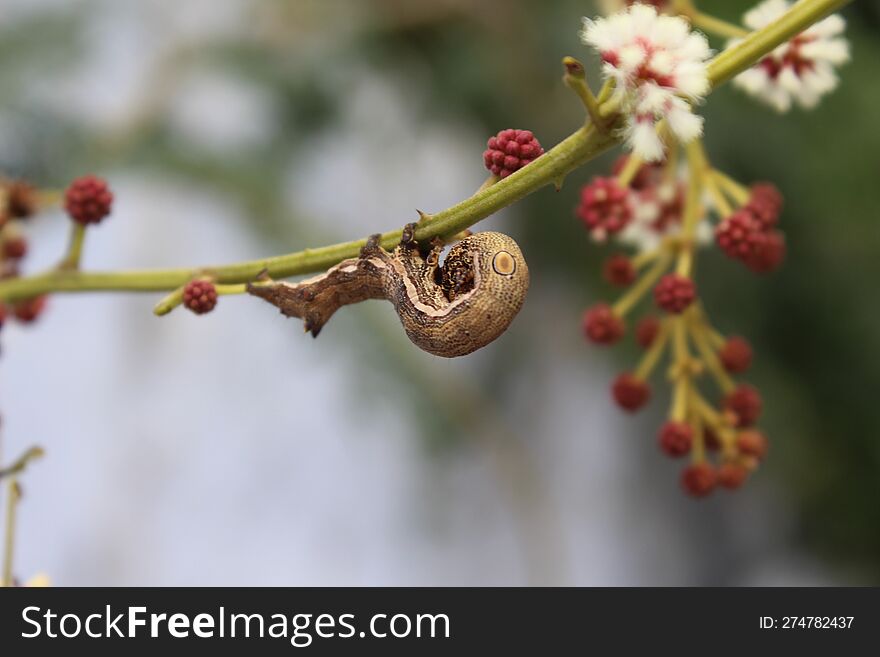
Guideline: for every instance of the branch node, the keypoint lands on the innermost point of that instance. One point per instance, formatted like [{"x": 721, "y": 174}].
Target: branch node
[
  {"x": 575, "y": 78},
  {"x": 169, "y": 303},
  {"x": 31, "y": 454}
]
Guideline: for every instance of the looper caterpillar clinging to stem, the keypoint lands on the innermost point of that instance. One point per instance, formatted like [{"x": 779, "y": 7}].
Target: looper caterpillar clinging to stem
[{"x": 449, "y": 310}]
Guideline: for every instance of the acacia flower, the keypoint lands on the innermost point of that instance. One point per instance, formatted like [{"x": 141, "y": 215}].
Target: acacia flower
[
  {"x": 656, "y": 214},
  {"x": 659, "y": 67},
  {"x": 799, "y": 71}
]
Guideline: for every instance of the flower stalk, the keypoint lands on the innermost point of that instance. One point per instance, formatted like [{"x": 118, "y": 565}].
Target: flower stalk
[
  {"x": 75, "y": 248},
  {"x": 13, "y": 494},
  {"x": 575, "y": 78}
]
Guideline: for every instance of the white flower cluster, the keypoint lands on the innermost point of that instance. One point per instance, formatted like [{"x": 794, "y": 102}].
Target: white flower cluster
[
  {"x": 801, "y": 70},
  {"x": 657, "y": 214},
  {"x": 659, "y": 68}
]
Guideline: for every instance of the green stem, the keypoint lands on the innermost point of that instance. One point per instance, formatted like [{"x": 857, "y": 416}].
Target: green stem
[
  {"x": 575, "y": 78},
  {"x": 582, "y": 146},
  {"x": 21, "y": 463},
  {"x": 710, "y": 358},
  {"x": 655, "y": 352},
  {"x": 722, "y": 206},
  {"x": 13, "y": 493},
  {"x": 74, "y": 248},
  {"x": 698, "y": 449},
  {"x": 693, "y": 206},
  {"x": 225, "y": 290},
  {"x": 679, "y": 372},
  {"x": 169, "y": 303},
  {"x": 645, "y": 258},
  {"x": 739, "y": 193},
  {"x": 630, "y": 169},
  {"x": 678, "y": 412}
]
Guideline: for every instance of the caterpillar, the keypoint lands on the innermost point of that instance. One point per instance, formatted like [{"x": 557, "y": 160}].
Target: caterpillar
[{"x": 449, "y": 310}]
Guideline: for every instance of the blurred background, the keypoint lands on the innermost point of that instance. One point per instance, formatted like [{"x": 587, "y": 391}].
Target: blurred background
[{"x": 231, "y": 450}]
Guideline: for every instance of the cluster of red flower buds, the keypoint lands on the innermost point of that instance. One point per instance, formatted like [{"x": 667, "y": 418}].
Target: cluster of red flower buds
[
  {"x": 664, "y": 211},
  {"x": 87, "y": 200},
  {"x": 749, "y": 233},
  {"x": 510, "y": 150},
  {"x": 200, "y": 296},
  {"x": 19, "y": 201}
]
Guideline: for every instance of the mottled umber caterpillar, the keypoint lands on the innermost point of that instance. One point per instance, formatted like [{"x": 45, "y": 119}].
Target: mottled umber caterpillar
[{"x": 448, "y": 311}]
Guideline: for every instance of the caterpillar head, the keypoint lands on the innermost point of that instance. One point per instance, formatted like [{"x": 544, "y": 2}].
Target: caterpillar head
[{"x": 487, "y": 273}]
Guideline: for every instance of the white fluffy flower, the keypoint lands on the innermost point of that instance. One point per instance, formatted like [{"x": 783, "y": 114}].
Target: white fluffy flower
[
  {"x": 657, "y": 214},
  {"x": 801, "y": 70},
  {"x": 659, "y": 68}
]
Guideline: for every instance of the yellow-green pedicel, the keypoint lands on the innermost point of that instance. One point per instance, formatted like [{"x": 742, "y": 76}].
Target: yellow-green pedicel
[{"x": 447, "y": 311}]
